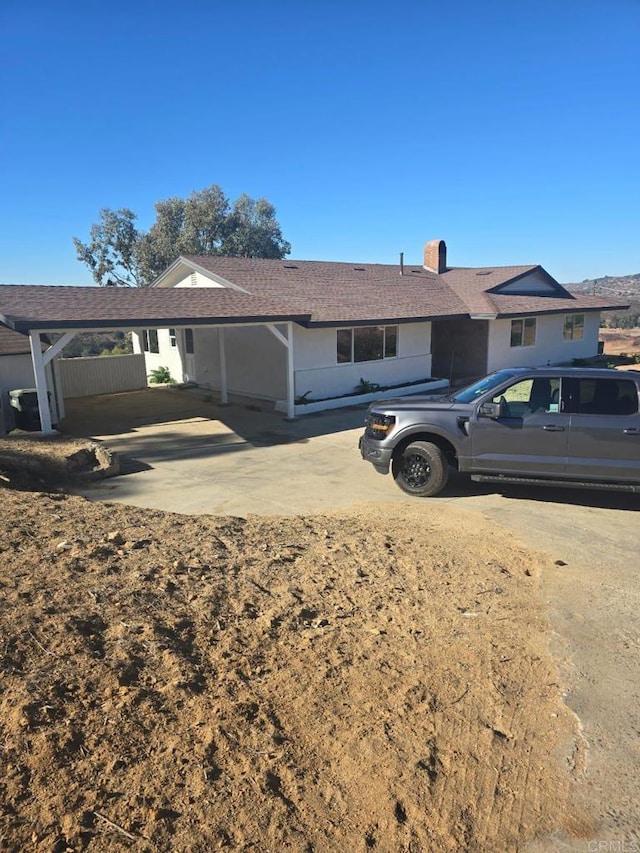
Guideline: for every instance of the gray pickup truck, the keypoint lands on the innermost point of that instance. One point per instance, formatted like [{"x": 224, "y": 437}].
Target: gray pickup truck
[{"x": 548, "y": 426}]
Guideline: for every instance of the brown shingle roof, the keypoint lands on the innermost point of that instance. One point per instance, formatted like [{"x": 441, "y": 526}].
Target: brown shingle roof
[
  {"x": 46, "y": 307},
  {"x": 13, "y": 343},
  {"x": 335, "y": 292},
  {"x": 324, "y": 293},
  {"x": 512, "y": 305}
]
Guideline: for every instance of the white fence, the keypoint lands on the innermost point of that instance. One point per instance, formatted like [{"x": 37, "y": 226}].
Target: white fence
[{"x": 105, "y": 374}]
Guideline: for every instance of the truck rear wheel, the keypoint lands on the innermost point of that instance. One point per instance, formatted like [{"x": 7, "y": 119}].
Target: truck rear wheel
[{"x": 421, "y": 469}]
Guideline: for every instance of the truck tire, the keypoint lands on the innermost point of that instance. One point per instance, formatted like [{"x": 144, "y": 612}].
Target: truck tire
[{"x": 421, "y": 469}]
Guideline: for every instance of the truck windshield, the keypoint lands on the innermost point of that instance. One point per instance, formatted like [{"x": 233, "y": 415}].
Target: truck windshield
[{"x": 469, "y": 394}]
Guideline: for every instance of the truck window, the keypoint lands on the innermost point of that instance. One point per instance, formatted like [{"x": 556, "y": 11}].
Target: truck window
[
  {"x": 606, "y": 397},
  {"x": 530, "y": 396}
]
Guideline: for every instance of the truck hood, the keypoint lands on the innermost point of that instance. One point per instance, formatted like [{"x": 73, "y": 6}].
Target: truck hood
[{"x": 421, "y": 402}]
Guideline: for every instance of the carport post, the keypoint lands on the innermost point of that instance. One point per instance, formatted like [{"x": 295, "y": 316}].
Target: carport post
[
  {"x": 288, "y": 343},
  {"x": 291, "y": 406},
  {"x": 41, "y": 383},
  {"x": 40, "y": 360},
  {"x": 224, "y": 395}
]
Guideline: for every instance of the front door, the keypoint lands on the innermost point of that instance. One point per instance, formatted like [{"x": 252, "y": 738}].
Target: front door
[
  {"x": 459, "y": 348},
  {"x": 530, "y": 437}
]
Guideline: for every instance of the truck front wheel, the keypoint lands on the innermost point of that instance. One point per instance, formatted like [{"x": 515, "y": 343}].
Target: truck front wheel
[{"x": 421, "y": 469}]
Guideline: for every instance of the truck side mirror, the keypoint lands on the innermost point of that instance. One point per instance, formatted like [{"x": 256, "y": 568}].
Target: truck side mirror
[{"x": 490, "y": 410}]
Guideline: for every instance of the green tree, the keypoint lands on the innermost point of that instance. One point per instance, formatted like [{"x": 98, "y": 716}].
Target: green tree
[
  {"x": 111, "y": 253},
  {"x": 202, "y": 224},
  {"x": 253, "y": 231}
]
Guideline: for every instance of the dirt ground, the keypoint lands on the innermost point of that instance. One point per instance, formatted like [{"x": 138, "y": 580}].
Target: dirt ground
[
  {"x": 375, "y": 679},
  {"x": 617, "y": 341}
]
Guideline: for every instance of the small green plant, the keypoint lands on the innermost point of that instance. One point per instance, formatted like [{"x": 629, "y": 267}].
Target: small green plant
[
  {"x": 160, "y": 375},
  {"x": 366, "y": 387},
  {"x": 636, "y": 358},
  {"x": 302, "y": 399}
]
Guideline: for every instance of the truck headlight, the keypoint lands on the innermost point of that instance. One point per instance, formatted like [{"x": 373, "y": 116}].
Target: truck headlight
[{"x": 379, "y": 426}]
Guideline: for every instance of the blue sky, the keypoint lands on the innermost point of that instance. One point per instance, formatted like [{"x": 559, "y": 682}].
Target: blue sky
[{"x": 510, "y": 129}]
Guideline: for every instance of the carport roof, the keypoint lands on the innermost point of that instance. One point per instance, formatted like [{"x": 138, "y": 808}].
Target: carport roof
[{"x": 26, "y": 307}]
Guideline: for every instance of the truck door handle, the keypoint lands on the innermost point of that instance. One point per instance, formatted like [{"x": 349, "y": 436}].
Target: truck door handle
[
  {"x": 553, "y": 428},
  {"x": 632, "y": 431}
]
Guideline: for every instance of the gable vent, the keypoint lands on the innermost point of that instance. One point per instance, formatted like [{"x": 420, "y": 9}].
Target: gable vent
[{"x": 193, "y": 279}]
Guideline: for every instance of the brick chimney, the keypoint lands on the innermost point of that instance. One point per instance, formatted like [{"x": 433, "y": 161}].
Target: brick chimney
[{"x": 435, "y": 256}]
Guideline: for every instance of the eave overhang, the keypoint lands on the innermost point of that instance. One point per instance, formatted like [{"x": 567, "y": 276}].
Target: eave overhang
[{"x": 27, "y": 325}]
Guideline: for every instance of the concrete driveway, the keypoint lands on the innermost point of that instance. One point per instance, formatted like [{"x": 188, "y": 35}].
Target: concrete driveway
[
  {"x": 182, "y": 452},
  {"x": 186, "y": 454}
]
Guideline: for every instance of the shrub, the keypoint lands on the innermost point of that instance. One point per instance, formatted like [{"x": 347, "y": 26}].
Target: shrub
[
  {"x": 160, "y": 375},
  {"x": 366, "y": 387}
]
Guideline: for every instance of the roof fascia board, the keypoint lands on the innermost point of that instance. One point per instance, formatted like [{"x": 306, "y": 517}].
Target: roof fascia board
[
  {"x": 384, "y": 321},
  {"x": 155, "y": 323},
  {"x": 546, "y": 311},
  {"x": 8, "y": 322},
  {"x": 194, "y": 267},
  {"x": 169, "y": 270}
]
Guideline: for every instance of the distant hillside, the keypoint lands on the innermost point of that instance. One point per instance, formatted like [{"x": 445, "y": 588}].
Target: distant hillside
[
  {"x": 98, "y": 343},
  {"x": 624, "y": 286},
  {"x": 618, "y": 286}
]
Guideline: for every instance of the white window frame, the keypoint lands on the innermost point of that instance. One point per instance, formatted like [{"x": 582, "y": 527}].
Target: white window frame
[
  {"x": 354, "y": 329},
  {"x": 570, "y": 328},
  {"x": 173, "y": 338},
  {"x": 532, "y": 322},
  {"x": 146, "y": 341}
]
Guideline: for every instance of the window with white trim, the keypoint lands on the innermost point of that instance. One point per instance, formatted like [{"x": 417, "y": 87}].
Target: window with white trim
[
  {"x": 173, "y": 340},
  {"x": 150, "y": 340},
  {"x": 573, "y": 327},
  {"x": 366, "y": 343},
  {"x": 523, "y": 332}
]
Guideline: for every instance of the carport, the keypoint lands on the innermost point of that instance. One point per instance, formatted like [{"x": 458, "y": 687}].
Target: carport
[{"x": 39, "y": 311}]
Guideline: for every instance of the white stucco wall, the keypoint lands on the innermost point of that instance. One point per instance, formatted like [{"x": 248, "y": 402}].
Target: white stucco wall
[
  {"x": 257, "y": 361},
  {"x": 316, "y": 370},
  {"x": 168, "y": 356},
  {"x": 16, "y": 371},
  {"x": 550, "y": 346}
]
